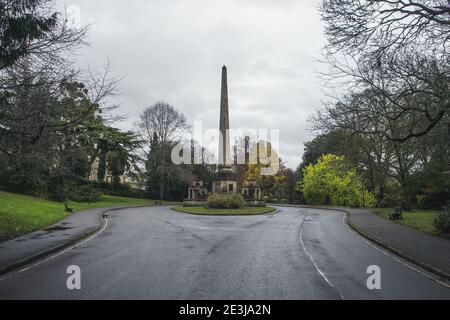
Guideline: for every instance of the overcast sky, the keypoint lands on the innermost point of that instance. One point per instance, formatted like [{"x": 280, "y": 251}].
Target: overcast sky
[{"x": 174, "y": 51}]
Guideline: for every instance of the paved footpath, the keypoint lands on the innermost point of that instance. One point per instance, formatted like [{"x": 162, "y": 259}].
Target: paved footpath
[{"x": 431, "y": 250}]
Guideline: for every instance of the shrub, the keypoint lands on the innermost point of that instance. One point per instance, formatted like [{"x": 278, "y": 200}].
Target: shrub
[
  {"x": 215, "y": 201},
  {"x": 266, "y": 198},
  {"x": 442, "y": 221},
  {"x": 334, "y": 181},
  {"x": 432, "y": 200},
  {"x": 85, "y": 193},
  {"x": 392, "y": 197},
  {"x": 57, "y": 189},
  {"x": 119, "y": 190},
  {"x": 62, "y": 189},
  {"x": 274, "y": 200},
  {"x": 225, "y": 201}
]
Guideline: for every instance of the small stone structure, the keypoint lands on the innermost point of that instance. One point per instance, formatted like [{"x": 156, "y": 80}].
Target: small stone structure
[
  {"x": 197, "y": 192},
  {"x": 224, "y": 181},
  {"x": 251, "y": 191}
]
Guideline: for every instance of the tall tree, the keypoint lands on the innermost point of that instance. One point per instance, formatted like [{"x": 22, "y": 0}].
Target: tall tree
[
  {"x": 396, "y": 51},
  {"x": 408, "y": 90},
  {"x": 32, "y": 29},
  {"x": 163, "y": 120},
  {"x": 377, "y": 26},
  {"x": 162, "y": 174},
  {"x": 161, "y": 128}
]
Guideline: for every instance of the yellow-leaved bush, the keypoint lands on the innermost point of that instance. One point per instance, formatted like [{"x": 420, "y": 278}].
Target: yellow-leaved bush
[{"x": 333, "y": 181}]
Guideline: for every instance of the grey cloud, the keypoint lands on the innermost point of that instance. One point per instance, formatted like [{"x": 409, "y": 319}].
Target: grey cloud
[{"x": 174, "y": 50}]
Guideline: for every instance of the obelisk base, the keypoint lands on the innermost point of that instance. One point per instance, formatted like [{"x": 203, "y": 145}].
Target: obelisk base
[{"x": 225, "y": 180}]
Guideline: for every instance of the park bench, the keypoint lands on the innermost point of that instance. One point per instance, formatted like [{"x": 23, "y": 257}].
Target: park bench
[
  {"x": 397, "y": 214},
  {"x": 66, "y": 207}
]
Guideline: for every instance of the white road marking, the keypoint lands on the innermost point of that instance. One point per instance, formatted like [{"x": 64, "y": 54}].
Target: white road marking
[
  {"x": 61, "y": 252},
  {"x": 313, "y": 262}
]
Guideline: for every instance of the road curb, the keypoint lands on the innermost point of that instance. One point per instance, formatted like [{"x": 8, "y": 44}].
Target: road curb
[
  {"x": 382, "y": 244},
  {"x": 43, "y": 254},
  {"x": 275, "y": 210}
]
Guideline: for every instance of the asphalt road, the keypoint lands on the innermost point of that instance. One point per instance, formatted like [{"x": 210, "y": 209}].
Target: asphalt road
[{"x": 155, "y": 253}]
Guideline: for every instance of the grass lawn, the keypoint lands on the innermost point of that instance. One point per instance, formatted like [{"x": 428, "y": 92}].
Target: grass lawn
[
  {"x": 418, "y": 219},
  {"x": 207, "y": 211},
  {"x": 21, "y": 214}
]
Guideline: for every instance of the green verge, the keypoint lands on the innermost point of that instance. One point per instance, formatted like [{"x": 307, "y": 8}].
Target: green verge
[
  {"x": 21, "y": 214},
  {"x": 418, "y": 219},
  {"x": 224, "y": 212}
]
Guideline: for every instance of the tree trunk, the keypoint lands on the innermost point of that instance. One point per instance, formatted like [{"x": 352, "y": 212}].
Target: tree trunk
[
  {"x": 407, "y": 200},
  {"x": 101, "y": 169},
  {"x": 161, "y": 191}
]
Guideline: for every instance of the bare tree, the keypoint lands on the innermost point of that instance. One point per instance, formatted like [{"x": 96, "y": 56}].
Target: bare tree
[
  {"x": 390, "y": 58},
  {"x": 98, "y": 87},
  {"x": 398, "y": 97},
  {"x": 362, "y": 26},
  {"x": 162, "y": 120},
  {"x": 36, "y": 49}
]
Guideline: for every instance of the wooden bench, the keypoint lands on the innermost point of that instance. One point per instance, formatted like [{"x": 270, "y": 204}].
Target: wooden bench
[
  {"x": 66, "y": 207},
  {"x": 397, "y": 214}
]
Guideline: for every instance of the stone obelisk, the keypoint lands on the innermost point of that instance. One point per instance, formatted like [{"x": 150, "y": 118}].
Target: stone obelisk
[
  {"x": 225, "y": 178},
  {"x": 224, "y": 140}
]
